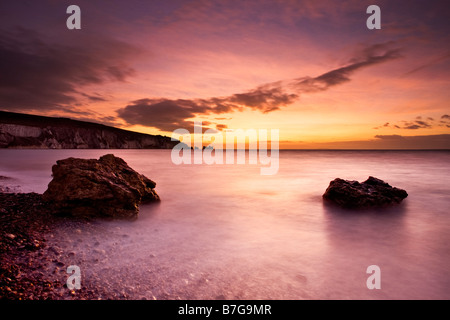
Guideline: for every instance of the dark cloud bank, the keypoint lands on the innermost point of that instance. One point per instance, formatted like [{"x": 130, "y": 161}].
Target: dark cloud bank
[
  {"x": 394, "y": 142},
  {"x": 38, "y": 75}
]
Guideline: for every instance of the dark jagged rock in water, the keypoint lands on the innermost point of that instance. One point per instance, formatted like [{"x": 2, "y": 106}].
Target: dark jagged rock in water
[
  {"x": 107, "y": 187},
  {"x": 371, "y": 193}
]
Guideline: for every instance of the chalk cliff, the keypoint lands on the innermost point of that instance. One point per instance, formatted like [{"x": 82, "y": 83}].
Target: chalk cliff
[{"x": 29, "y": 131}]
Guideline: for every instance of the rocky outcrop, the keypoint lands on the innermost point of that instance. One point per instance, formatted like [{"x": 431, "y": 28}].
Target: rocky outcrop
[
  {"x": 371, "y": 193},
  {"x": 29, "y": 131},
  {"x": 107, "y": 187}
]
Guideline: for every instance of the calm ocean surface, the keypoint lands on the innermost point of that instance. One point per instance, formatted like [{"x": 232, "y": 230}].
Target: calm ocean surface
[{"x": 227, "y": 232}]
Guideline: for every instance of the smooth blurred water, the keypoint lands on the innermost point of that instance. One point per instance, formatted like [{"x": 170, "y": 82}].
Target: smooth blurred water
[{"x": 227, "y": 232}]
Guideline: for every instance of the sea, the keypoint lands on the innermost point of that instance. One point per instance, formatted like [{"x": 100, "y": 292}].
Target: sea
[{"x": 225, "y": 231}]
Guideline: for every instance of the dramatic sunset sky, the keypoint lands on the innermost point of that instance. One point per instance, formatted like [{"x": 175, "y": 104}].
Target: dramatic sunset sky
[{"x": 311, "y": 69}]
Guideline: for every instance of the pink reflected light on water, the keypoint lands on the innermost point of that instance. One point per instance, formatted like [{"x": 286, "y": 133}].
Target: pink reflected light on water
[{"x": 227, "y": 232}]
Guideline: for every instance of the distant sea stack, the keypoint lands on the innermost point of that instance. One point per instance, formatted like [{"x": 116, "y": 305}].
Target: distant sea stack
[
  {"x": 371, "y": 193},
  {"x": 37, "y": 132}
]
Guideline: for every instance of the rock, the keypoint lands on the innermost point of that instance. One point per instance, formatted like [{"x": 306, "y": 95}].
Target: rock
[
  {"x": 54, "y": 250},
  {"x": 371, "y": 193},
  {"x": 107, "y": 187}
]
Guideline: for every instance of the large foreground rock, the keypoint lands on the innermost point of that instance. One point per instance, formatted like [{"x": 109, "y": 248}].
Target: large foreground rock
[
  {"x": 371, "y": 193},
  {"x": 107, "y": 187}
]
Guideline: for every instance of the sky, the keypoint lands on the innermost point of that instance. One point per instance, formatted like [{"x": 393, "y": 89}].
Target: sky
[{"x": 309, "y": 68}]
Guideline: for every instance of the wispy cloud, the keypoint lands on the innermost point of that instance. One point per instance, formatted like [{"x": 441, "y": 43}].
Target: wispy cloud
[
  {"x": 389, "y": 137},
  {"x": 169, "y": 114},
  {"x": 418, "y": 123},
  {"x": 430, "y": 63}
]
